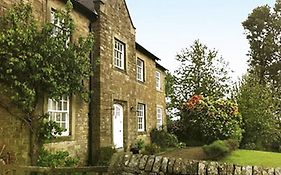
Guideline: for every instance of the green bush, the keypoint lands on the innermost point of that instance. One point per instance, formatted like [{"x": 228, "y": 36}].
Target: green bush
[
  {"x": 216, "y": 150},
  {"x": 151, "y": 149},
  {"x": 232, "y": 144},
  {"x": 259, "y": 109},
  {"x": 249, "y": 146},
  {"x": 205, "y": 120},
  {"x": 139, "y": 144},
  {"x": 163, "y": 139},
  {"x": 105, "y": 155},
  {"x": 56, "y": 159}
]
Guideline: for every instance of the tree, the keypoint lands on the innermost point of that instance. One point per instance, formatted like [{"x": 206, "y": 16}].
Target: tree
[
  {"x": 201, "y": 73},
  {"x": 263, "y": 30},
  {"x": 37, "y": 61},
  {"x": 169, "y": 91},
  {"x": 256, "y": 105}
]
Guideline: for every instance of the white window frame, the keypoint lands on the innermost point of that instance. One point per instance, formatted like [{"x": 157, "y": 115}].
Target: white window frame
[
  {"x": 59, "y": 112},
  {"x": 140, "y": 70},
  {"x": 141, "y": 117},
  {"x": 159, "y": 117},
  {"x": 119, "y": 54},
  {"x": 58, "y": 26},
  {"x": 158, "y": 80}
]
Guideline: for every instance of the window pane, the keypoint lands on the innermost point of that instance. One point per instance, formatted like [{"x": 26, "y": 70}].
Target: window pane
[
  {"x": 60, "y": 105},
  {"x": 140, "y": 70},
  {"x": 119, "y": 53},
  {"x": 159, "y": 120},
  {"x": 63, "y": 117},
  {"x": 63, "y": 125},
  {"x": 58, "y": 117},
  {"x": 65, "y": 106},
  {"x": 141, "y": 117},
  {"x": 59, "y": 112},
  {"x": 158, "y": 80}
]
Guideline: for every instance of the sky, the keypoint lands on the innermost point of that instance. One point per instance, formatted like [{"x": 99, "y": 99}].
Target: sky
[{"x": 165, "y": 27}]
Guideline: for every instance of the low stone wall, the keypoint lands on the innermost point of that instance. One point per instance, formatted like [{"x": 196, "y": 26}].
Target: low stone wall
[{"x": 129, "y": 164}]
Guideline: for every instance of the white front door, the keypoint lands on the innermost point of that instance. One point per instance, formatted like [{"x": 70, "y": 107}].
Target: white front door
[{"x": 118, "y": 126}]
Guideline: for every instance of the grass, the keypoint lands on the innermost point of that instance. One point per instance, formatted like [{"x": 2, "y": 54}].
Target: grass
[
  {"x": 238, "y": 157},
  {"x": 257, "y": 158}
]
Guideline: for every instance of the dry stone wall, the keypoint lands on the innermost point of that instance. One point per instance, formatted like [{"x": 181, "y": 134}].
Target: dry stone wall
[{"x": 129, "y": 164}]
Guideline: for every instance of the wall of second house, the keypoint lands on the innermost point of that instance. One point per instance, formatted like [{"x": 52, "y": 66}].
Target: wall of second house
[
  {"x": 15, "y": 134},
  {"x": 161, "y": 94},
  {"x": 113, "y": 85},
  {"x": 146, "y": 94}
]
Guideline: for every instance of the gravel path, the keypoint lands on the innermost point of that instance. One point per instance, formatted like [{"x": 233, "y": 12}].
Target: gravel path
[{"x": 193, "y": 153}]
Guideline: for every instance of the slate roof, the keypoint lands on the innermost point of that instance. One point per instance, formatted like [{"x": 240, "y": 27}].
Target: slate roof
[
  {"x": 86, "y": 7},
  {"x": 146, "y": 52},
  {"x": 150, "y": 55}
]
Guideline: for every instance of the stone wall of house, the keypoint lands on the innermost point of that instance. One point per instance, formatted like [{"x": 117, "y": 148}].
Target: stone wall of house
[
  {"x": 147, "y": 94},
  {"x": 77, "y": 142},
  {"x": 110, "y": 84},
  {"x": 14, "y": 133},
  {"x": 157, "y": 165},
  {"x": 161, "y": 95}
]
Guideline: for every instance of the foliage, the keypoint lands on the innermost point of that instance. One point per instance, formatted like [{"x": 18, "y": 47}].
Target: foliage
[
  {"x": 49, "y": 129},
  {"x": 163, "y": 139},
  {"x": 6, "y": 156},
  {"x": 105, "y": 155},
  {"x": 57, "y": 159},
  {"x": 139, "y": 144},
  {"x": 207, "y": 120},
  {"x": 201, "y": 72},
  {"x": 232, "y": 144},
  {"x": 216, "y": 150},
  {"x": 170, "y": 92},
  {"x": 257, "y": 107},
  {"x": 262, "y": 28},
  {"x": 151, "y": 149},
  {"x": 36, "y": 60}
]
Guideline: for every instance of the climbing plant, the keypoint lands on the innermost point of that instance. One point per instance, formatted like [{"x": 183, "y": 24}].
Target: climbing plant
[{"x": 37, "y": 61}]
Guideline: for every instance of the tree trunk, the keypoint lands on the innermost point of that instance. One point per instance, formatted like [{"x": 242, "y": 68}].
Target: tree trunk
[{"x": 35, "y": 145}]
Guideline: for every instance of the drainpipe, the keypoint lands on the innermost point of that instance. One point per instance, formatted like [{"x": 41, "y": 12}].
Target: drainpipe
[{"x": 90, "y": 135}]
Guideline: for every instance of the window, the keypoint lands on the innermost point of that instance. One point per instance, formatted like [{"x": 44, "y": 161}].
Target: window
[
  {"x": 59, "y": 112},
  {"x": 119, "y": 54},
  {"x": 58, "y": 23},
  {"x": 159, "y": 118},
  {"x": 158, "y": 80},
  {"x": 141, "y": 117},
  {"x": 140, "y": 70}
]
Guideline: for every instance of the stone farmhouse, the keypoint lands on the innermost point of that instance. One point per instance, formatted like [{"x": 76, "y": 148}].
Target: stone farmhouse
[{"x": 128, "y": 85}]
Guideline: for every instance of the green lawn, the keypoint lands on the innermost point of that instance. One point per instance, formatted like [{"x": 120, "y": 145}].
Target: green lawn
[
  {"x": 239, "y": 157},
  {"x": 258, "y": 158}
]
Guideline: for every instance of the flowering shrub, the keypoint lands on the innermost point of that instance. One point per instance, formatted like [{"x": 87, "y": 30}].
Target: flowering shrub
[
  {"x": 193, "y": 101},
  {"x": 206, "y": 120}
]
